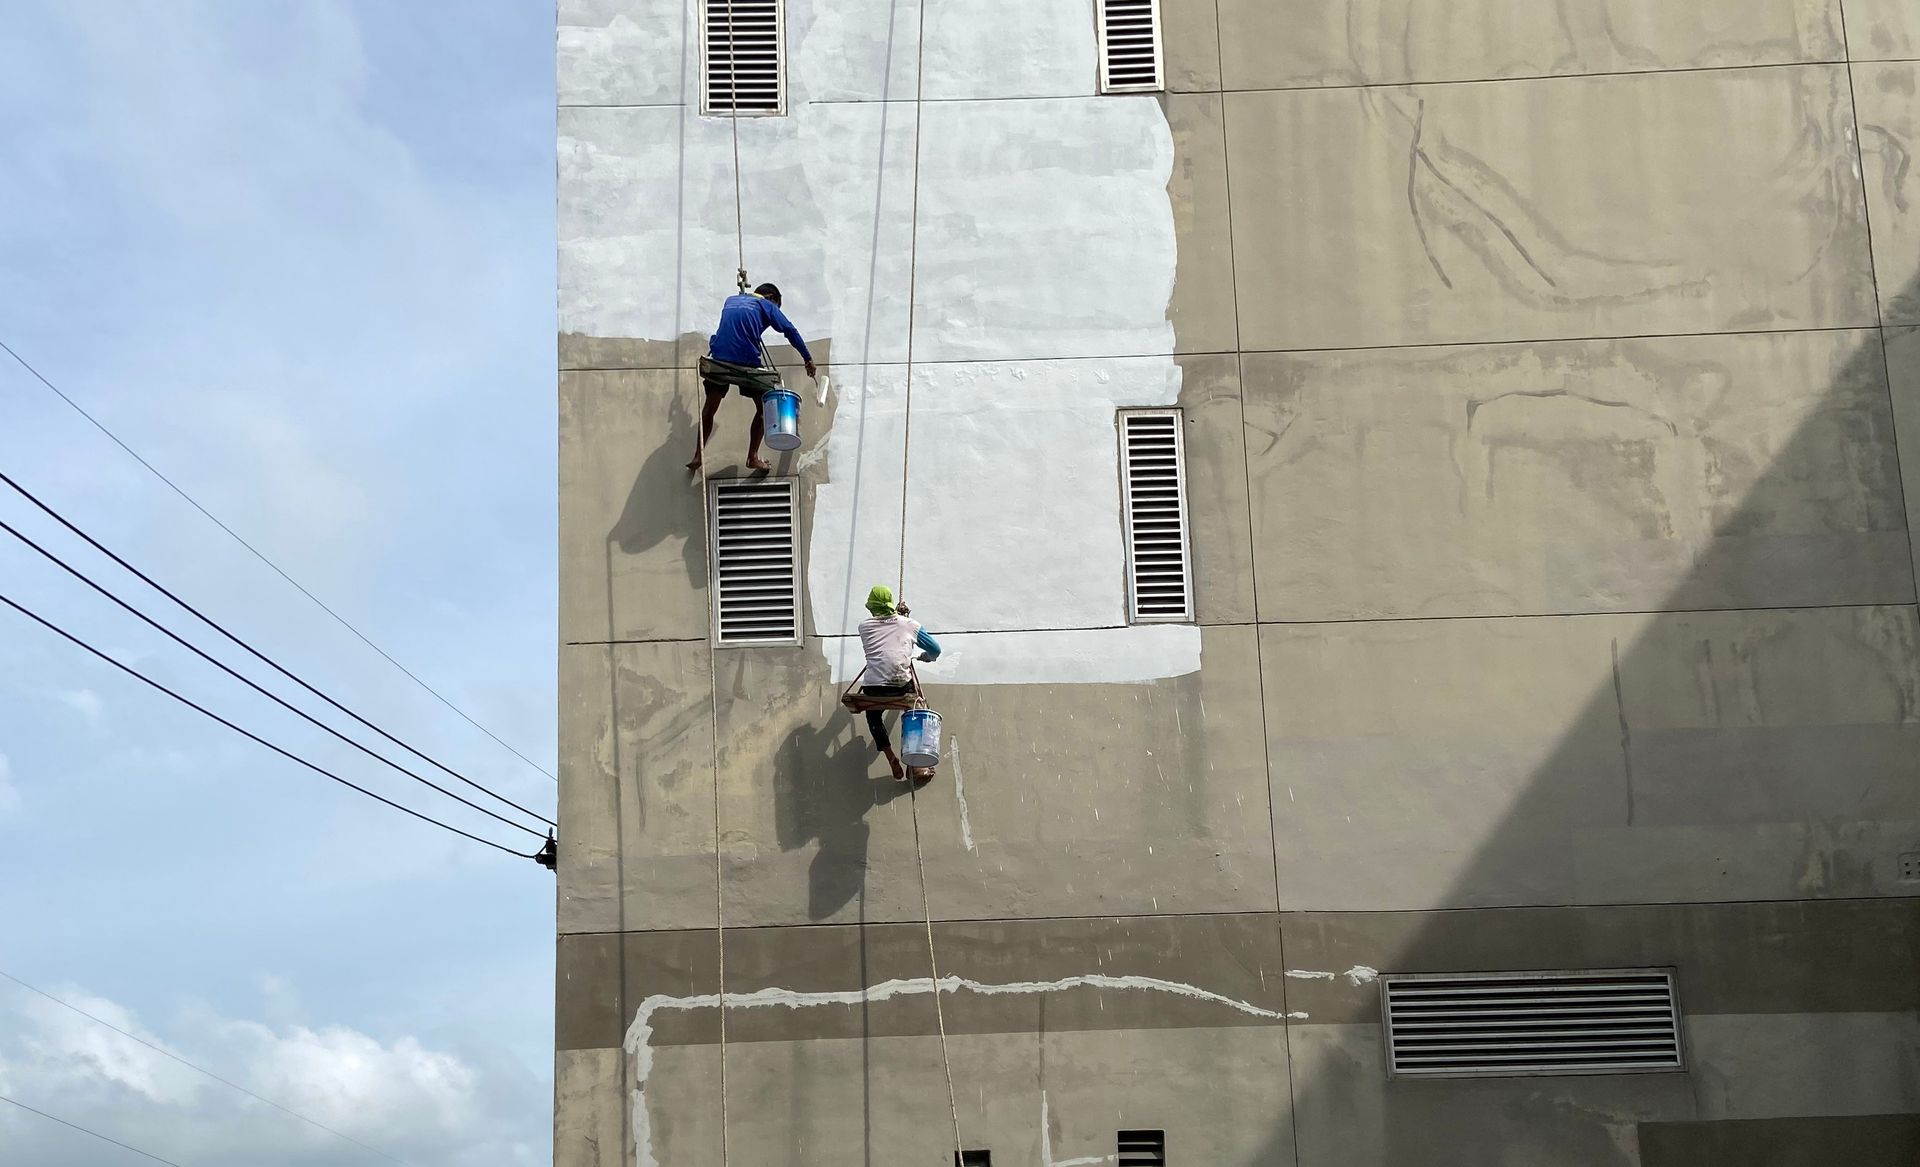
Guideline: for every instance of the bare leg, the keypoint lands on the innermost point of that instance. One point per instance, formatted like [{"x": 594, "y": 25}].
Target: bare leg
[
  {"x": 707, "y": 412},
  {"x": 894, "y": 763},
  {"x": 755, "y": 432}
]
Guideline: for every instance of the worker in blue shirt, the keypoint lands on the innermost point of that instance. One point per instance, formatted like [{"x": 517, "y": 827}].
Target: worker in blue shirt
[{"x": 735, "y": 357}]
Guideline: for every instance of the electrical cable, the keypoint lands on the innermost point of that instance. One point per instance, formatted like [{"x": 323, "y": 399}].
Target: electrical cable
[
  {"x": 210, "y": 622},
  {"x": 265, "y": 692},
  {"x": 289, "y": 755},
  {"x": 166, "y": 1053},
  {"x": 83, "y": 1130},
  {"x": 257, "y": 554}
]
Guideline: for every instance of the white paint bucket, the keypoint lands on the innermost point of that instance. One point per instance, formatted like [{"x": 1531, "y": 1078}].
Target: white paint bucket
[
  {"x": 781, "y": 409},
  {"x": 920, "y": 738}
]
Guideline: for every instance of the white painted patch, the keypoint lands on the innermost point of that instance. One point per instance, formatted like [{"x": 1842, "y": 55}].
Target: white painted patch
[
  {"x": 1308, "y": 974},
  {"x": 1045, "y": 262},
  {"x": 1071, "y": 656},
  {"x": 960, "y": 792},
  {"x": 639, "y": 1040}
]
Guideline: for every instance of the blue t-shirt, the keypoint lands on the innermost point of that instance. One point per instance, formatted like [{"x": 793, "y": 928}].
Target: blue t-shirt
[{"x": 742, "y": 320}]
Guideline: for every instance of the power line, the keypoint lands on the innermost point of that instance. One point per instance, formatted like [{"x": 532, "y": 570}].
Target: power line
[
  {"x": 83, "y": 1130},
  {"x": 316, "y": 1123},
  {"x": 257, "y": 554},
  {"x": 210, "y": 622},
  {"x": 290, "y": 756},
  {"x": 275, "y": 697}
]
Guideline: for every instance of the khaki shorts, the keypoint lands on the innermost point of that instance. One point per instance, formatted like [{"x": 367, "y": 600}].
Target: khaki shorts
[{"x": 751, "y": 380}]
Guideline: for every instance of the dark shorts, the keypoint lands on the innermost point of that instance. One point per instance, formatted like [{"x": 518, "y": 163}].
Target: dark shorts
[{"x": 752, "y": 381}]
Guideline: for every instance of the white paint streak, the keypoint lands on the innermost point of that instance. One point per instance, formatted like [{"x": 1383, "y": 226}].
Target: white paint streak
[
  {"x": 1045, "y": 253},
  {"x": 639, "y": 1040},
  {"x": 1359, "y": 974},
  {"x": 959, "y": 792}
]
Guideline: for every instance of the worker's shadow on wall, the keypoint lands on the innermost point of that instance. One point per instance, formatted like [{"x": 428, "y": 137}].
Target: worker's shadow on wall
[
  {"x": 822, "y": 792},
  {"x": 649, "y": 517}
]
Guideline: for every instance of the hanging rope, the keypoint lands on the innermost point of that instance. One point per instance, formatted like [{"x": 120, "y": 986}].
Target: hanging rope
[
  {"x": 713, "y": 567},
  {"x": 906, "y": 445},
  {"x": 706, "y": 505}
]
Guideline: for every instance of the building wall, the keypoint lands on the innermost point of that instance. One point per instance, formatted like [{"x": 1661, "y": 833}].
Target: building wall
[{"x": 1543, "y": 369}]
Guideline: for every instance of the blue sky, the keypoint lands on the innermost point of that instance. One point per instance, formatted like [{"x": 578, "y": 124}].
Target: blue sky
[{"x": 300, "y": 255}]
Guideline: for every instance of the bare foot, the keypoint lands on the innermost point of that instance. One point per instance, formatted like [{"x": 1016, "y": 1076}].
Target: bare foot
[
  {"x": 899, "y": 771},
  {"x": 920, "y": 775},
  {"x": 759, "y": 464}
]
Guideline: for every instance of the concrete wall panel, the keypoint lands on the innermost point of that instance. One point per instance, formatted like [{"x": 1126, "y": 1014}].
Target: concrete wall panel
[
  {"x": 1222, "y": 541},
  {"x": 1716, "y": 201},
  {"x": 1292, "y": 43},
  {"x": 1881, "y": 30},
  {"x": 1190, "y": 36},
  {"x": 1888, "y": 1140},
  {"x": 1903, "y": 369},
  {"x": 1802, "y": 1065},
  {"x": 1685, "y": 472},
  {"x": 1831, "y": 957},
  {"x": 1349, "y": 1115},
  {"x": 589, "y": 1109},
  {"x": 631, "y": 522},
  {"x": 1169, "y": 817},
  {"x": 636, "y": 795},
  {"x": 1202, "y": 308},
  {"x": 1465, "y": 762},
  {"x": 1888, "y": 96}
]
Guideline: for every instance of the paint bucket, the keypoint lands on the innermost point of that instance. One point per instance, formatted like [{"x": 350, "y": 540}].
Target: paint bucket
[
  {"x": 781, "y": 409},
  {"x": 920, "y": 738}
]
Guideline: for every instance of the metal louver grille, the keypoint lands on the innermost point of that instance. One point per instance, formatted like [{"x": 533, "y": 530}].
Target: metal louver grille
[
  {"x": 1142, "y": 1149},
  {"x": 754, "y": 566},
  {"x": 1154, "y": 486},
  {"x": 744, "y": 59},
  {"x": 1598, "y": 1022},
  {"x": 1129, "y": 46}
]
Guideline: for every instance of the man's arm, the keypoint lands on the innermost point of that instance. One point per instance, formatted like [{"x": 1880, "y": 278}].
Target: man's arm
[
  {"x": 928, "y": 646},
  {"x": 786, "y": 328}
]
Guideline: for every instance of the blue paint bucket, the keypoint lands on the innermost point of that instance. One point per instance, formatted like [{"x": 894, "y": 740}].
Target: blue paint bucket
[
  {"x": 920, "y": 738},
  {"x": 781, "y": 410}
]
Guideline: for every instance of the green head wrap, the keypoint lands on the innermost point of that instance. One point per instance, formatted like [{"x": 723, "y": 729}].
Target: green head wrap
[{"x": 880, "y": 601}]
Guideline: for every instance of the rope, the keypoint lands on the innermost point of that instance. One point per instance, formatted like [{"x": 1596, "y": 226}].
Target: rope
[
  {"x": 713, "y": 581},
  {"x": 706, "y": 505},
  {"x": 906, "y": 446}
]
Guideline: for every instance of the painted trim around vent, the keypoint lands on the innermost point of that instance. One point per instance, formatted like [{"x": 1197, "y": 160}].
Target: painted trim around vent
[
  {"x": 776, "y": 104},
  {"x": 753, "y": 561},
  {"x": 1532, "y": 1024},
  {"x": 1155, "y": 529},
  {"x": 1127, "y": 63}
]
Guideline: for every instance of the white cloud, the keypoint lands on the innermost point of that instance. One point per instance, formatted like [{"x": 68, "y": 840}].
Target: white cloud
[{"x": 430, "y": 1107}]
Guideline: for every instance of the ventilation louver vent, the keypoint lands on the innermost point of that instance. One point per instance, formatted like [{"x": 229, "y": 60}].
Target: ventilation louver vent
[
  {"x": 1142, "y": 1149},
  {"x": 1129, "y": 46},
  {"x": 1606, "y": 1022},
  {"x": 754, "y": 567},
  {"x": 1159, "y": 584},
  {"x": 745, "y": 59}
]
